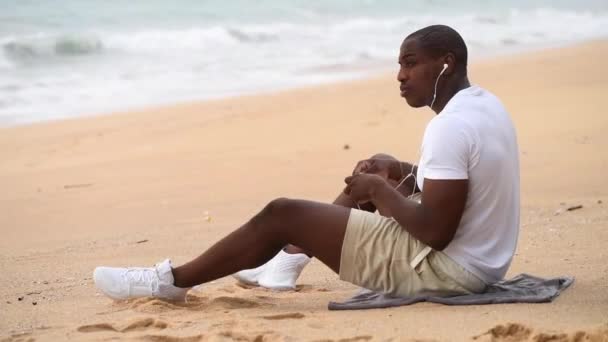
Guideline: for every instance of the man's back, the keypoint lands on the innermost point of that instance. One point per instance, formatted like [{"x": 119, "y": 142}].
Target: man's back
[{"x": 474, "y": 138}]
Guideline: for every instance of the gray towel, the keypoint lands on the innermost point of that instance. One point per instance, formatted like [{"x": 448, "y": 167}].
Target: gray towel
[{"x": 523, "y": 288}]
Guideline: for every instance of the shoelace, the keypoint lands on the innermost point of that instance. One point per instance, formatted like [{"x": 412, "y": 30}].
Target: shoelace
[{"x": 142, "y": 276}]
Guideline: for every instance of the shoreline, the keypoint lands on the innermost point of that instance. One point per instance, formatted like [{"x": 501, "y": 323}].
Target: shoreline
[{"x": 374, "y": 70}]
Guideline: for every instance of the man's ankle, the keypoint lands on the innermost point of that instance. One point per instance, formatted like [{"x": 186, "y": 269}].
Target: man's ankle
[{"x": 291, "y": 249}]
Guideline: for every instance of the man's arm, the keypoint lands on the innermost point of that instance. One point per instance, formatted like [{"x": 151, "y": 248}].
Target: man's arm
[{"x": 435, "y": 220}]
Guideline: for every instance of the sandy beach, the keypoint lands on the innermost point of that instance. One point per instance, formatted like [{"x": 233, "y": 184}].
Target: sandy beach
[{"x": 130, "y": 189}]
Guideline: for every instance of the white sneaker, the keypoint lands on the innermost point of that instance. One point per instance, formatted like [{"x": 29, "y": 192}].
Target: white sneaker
[
  {"x": 279, "y": 274},
  {"x": 125, "y": 283},
  {"x": 250, "y": 276}
]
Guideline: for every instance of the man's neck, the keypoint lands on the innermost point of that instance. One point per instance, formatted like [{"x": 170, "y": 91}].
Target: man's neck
[{"x": 449, "y": 90}]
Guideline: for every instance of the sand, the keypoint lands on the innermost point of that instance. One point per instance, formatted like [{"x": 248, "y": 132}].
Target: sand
[{"x": 133, "y": 188}]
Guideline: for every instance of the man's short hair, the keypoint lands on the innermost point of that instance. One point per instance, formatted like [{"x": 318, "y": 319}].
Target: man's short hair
[{"x": 438, "y": 40}]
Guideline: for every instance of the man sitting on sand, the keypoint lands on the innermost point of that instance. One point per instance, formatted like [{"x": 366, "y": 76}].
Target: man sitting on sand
[{"x": 458, "y": 238}]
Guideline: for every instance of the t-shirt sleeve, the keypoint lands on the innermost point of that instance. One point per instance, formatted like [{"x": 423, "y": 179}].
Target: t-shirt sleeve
[{"x": 445, "y": 149}]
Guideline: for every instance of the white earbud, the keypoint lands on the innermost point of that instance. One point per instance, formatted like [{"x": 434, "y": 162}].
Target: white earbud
[{"x": 445, "y": 67}]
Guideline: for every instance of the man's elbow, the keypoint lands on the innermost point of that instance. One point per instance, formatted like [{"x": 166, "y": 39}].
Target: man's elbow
[
  {"x": 440, "y": 241},
  {"x": 439, "y": 245}
]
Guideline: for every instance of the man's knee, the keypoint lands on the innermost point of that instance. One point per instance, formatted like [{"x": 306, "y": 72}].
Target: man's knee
[
  {"x": 275, "y": 212},
  {"x": 378, "y": 156},
  {"x": 382, "y": 156},
  {"x": 278, "y": 206}
]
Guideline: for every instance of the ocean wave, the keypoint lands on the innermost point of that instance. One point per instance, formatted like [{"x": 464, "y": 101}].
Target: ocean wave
[
  {"x": 165, "y": 63},
  {"x": 5, "y": 63},
  {"x": 196, "y": 38},
  {"x": 41, "y": 47},
  {"x": 78, "y": 46},
  {"x": 252, "y": 37},
  {"x": 330, "y": 37}
]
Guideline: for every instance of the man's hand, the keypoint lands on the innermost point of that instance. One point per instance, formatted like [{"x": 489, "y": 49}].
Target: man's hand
[
  {"x": 360, "y": 187},
  {"x": 385, "y": 168}
]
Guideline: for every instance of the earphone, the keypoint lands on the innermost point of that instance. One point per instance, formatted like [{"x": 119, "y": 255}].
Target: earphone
[{"x": 445, "y": 67}]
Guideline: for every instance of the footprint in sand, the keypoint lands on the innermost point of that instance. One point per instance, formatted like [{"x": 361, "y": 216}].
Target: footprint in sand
[
  {"x": 295, "y": 315},
  {"x": 166, "y": 338},
  {"x": 304, "y": 288},
  {"x": 227, "y": 324},
  {"x": 194, "y": 303},
  {"x": 309, "y": 288},
  {"x": 349, "y": 339},
  {"x": 509, "y": 331},
  {"x": 136, "y": 325},
  {"x": 233, "y": 303},
  {"x": 264, "y": 297},
  {"x": 356, "y": 338},
  {"x": 20, "y": 337},
  {"x": 154, "y": 305},
  {"x": 268, "y": 336}
]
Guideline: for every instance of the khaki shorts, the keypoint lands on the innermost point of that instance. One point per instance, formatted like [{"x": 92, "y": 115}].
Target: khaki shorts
[{"x": 378, "y": 254}]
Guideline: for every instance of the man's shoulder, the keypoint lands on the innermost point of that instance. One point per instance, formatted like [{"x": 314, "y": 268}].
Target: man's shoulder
[
  {"x": 474, "y": 98},
  {"x": 450, "y": 130},
  {"x": 449, "y": 121}
]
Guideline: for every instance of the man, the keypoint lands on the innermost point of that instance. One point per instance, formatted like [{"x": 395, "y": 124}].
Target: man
[{"x": 458, "y": 238}]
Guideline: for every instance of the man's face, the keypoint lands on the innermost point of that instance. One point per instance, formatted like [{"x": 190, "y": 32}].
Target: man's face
[{"x": 417, "y": 74}]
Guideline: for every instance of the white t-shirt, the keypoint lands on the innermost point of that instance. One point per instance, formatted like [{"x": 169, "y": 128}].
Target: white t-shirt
[{"x": 473, "y": 138}]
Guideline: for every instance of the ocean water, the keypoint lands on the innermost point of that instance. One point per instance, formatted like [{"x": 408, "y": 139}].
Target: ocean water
[{"x": 66, "y": 58}]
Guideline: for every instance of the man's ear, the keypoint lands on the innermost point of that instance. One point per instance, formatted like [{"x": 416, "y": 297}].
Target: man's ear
[{"x": 450, "y": 60}]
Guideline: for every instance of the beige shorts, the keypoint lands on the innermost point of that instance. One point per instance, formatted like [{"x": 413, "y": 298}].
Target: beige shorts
[{"x": 378, "y": 254}]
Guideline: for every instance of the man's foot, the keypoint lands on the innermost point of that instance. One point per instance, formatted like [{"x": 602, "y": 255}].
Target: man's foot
[
  {"x": 250, "y": 276},
  {"x": 134, "y": 282},
  {"x": 280, "y": 273}
]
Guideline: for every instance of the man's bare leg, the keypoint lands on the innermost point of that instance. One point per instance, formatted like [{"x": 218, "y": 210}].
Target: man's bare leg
[
  {"x": 285, "y": 267},
  {"x": 316, "y": 227},
  {"x": 342, "y": 200}
]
